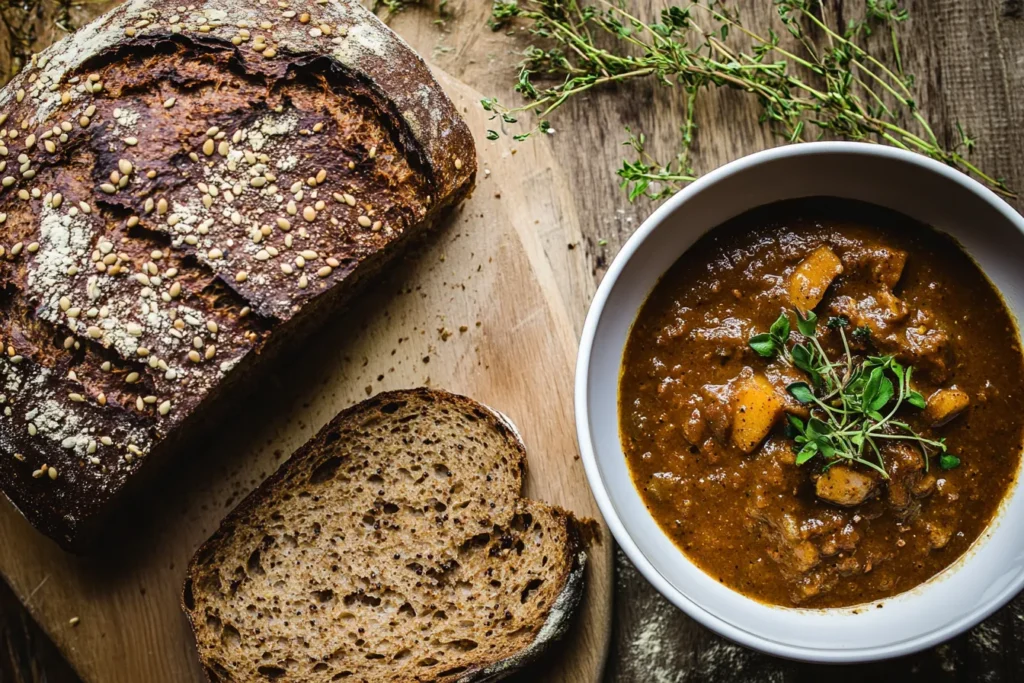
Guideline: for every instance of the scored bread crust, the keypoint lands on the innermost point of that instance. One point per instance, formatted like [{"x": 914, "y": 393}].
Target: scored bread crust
[
  {"x": 289, "y": 480},
  {"x": 196, "y": 94}
]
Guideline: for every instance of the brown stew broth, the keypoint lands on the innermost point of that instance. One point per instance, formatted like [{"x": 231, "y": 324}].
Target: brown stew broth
[{"x": 753, "y": 520}]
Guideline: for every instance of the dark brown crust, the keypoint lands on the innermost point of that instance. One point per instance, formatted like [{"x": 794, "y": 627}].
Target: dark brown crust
[
  {"x": 573, "y": 560},
  {"x": 141, "y": 51}
]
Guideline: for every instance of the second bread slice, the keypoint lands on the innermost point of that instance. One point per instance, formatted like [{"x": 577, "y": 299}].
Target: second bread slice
[{"x": 393, "y": 546}]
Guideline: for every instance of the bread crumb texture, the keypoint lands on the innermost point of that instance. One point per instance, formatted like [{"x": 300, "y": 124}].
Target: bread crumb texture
[
  {"x": 393, "y": 547},
  {"x": 177, "y": 183}
]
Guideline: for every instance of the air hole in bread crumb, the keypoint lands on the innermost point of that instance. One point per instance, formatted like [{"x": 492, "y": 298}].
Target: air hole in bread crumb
[
  {"x": 478, "y": 541},
  {"x": 320, "y": 666},
  {"x": 253, "y": 563},
  {"x": 427, "y": 661},
  {"x": 324, "y": 595},
  {"x": 216, "y": 672},
  {"x": 230, "y": 636},
  {"x": 331, "y": 437},
  {"x": 442, "y": 471},
  {"x": 533, "y": 585},
  {"x": 271, "y": 672},
  {"x": 462, "y": 645},
  {"x": 408, "y": 610},
  {"x": 522, "y": 522},
  {"x": 391, "y": 408},
  {"x": 363, "y": 598},
  {"x": 325, "y": 471},
  {"x": 390, "y": 508},
  {"x": 339, "y": 676}
]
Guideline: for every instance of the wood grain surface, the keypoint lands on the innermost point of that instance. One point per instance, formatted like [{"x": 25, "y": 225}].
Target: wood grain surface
[{"x": 968, "y": 56}]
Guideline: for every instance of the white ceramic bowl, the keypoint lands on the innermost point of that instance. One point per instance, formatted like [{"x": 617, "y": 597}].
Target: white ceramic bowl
[{"x": 981, "y": 581}]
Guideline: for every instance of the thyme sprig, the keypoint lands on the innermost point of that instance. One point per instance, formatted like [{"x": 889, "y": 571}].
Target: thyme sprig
[
  {"x": 806, "y": 90},
  {"x": 853, "y": 404}
]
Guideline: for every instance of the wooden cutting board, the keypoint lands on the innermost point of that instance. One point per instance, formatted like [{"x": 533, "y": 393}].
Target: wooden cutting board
[{"x": 475, "y": 312}]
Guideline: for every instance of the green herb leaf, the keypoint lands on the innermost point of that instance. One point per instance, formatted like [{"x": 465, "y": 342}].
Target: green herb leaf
[
  {"x": 807, "y": 325},
  {"x": 917, "y": 400},
  {"x": 883, "y": 395},
  {"x": 809, "y": 450},
  {"x": 780, "y": 328},
  {"x": 948, "y": 462},
  {"x": 764, "y": 344},
  {"x": 492, "y": 135},
  {"x": 819, "y": 427},
  {"x": 801, "y": 392},
  {"x": 835, "y": 322},
  {"x": 803, "y": 360},
  {"x": 870, "y": 391},
  {"x": 862, "y": 333}
]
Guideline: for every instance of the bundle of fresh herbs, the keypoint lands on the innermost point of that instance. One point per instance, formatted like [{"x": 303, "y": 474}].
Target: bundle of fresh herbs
[
  {"x": 853, "y": 403},
  {"x": 822, "y": 81}
]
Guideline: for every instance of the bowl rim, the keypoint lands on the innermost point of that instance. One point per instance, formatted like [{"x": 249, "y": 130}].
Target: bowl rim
[{"x": 586, "y": 444}]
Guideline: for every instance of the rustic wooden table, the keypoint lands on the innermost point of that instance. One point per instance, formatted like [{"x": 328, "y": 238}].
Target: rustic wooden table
[{"x": 968, "y": 56}]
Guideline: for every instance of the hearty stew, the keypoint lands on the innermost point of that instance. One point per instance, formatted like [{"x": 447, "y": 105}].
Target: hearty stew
[{"x": 821, "y": 403}]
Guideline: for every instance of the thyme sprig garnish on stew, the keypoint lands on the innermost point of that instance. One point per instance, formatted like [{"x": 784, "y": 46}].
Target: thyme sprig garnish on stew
[{"x": 853, "y": 402}]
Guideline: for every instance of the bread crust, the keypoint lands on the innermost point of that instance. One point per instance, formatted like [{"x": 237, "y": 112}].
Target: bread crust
[
  {"x": 80, "y": 397},
  {"x": 559, "y": 615}
]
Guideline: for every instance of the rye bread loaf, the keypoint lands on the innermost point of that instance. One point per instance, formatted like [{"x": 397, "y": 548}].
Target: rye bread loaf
[
  {"x": 393, "y": 546},
  {"x": 181, "y": 189}
]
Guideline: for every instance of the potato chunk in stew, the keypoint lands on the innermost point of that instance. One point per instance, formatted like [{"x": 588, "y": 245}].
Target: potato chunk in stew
[
  {"x": 812, "y": 277},
  {"x": 945, "y": 404},
  {"x": 757, "y": 408}
]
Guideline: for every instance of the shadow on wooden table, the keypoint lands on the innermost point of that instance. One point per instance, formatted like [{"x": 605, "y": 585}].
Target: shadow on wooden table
[{"x": 26, "y": 654}]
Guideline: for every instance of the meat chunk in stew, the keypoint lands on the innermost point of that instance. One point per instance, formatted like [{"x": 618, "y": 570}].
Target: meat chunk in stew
[
  {"x": 908, "y": 480},
  {"x": 917, "y": 340},
  {"x": 810, "y": 280},
  {"x": 946, "y": 404},
  {"x": 845, "y": 486},
  {"x": 789, "y": 547},
  {"x": 876, "y": 263}
]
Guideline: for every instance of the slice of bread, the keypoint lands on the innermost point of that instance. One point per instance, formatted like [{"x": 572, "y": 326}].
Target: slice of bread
[{"x": 394, "y": 546}]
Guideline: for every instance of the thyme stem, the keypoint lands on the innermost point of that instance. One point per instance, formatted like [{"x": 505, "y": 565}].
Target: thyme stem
[{"x": 837, "y": 89}]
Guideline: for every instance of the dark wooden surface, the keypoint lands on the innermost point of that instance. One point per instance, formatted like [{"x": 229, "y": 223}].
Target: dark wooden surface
[{"x": 968, "y": 56}]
